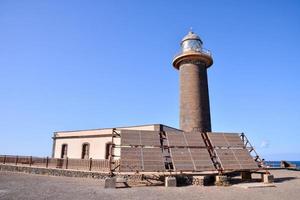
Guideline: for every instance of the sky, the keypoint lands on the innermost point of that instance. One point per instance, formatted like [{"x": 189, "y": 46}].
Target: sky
[{"x": 69, "y": 65}]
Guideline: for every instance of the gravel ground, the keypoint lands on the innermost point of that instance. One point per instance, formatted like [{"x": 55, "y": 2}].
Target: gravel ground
[{"x": 37, "y": 187}]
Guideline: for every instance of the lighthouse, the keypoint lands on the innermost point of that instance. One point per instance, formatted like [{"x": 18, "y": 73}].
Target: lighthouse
[{"x": 192, "y": 63}]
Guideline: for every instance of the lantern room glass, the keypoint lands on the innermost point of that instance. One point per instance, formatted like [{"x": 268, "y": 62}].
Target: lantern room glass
[{"x": 191, "y": 45}]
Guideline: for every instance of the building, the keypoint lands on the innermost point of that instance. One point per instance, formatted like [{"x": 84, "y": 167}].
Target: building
[
  {"x": 93, "y": 143},
  {"x": 157, "y": 147},
  {"x": 192, "y": 63}
]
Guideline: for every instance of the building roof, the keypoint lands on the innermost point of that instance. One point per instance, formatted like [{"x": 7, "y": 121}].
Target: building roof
[{"x": 107, "y": 131}]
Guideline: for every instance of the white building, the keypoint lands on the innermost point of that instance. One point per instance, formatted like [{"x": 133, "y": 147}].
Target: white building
[{"x": 93, "y": 143}]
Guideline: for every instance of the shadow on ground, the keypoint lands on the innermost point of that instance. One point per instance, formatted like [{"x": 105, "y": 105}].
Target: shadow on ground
[{"x": 283, "y": 179}]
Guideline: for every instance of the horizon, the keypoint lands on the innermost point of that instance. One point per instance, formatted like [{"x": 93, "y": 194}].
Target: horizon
[{"x": 86, "y": 65}]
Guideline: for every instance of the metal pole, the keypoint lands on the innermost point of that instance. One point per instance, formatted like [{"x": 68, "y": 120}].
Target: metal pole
[
  {"x": 243, "y": 137},
  {"x": 47, "y": 162},
  {"x": 67, "y": 160},
  {"x": 16, "y": 160},
  {"x": 110, "y": 158},
  {"x": 30, "y": 160},
  {"x": 90, "y": 167},
  {"x": 4, "y": 160}
]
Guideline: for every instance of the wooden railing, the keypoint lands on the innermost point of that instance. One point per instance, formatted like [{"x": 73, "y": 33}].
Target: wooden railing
[{"x": 67, "y": 163}]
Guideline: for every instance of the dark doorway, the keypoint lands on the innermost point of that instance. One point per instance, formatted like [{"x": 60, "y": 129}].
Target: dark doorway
[
  {"x": 64, "y": 151},
  {"x": 108, "y": 150},
  {"x": 85, "y": 151}
]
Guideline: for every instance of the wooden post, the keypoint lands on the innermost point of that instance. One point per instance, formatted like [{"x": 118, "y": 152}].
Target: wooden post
[
  {"x": 4, "y": 160},
  {"x": 90, "y": 165},
  {"x": 110, "y": 158},
  {"x": 47, "y": 162},
  {"x": 30, "y": 160},
  {"x": 67, "y": 160},
  {"x": 16, "y": 160}
]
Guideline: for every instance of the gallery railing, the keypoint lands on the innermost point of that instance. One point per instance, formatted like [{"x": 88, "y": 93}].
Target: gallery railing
[
  {"x": 66, "y": 163},
  {"x": 202, "y": 51}
]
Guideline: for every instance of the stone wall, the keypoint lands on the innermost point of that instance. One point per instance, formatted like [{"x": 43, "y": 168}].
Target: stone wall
[{"x": 53, "y": 172}]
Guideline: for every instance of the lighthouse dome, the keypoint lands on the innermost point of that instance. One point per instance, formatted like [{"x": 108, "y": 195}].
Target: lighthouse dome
[{"x": 191, "y": 42}]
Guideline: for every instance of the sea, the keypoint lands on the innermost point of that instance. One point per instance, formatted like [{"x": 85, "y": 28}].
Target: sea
[{"x": 277, "y": 163}]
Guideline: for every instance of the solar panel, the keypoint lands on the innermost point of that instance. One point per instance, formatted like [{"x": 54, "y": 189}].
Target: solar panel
[
  {"x": 191, "y": 159},
  {"x": 245, "y": 159},
  {"x": 228, "y": 159},
  {"x": 150, "y": 138},
  {"x": 141, "y": 159},
  {"x": 176, "y": 139},
  {"x": 153, "y": 160},
  {"x": 194, "y": 139},
  {"x": 234, "y": 139},
  {"x": 217, "y": 139},
  {"x": 202, "y": 160},
  {"x": 140, "y": 138},
  {"x": 182, "y": 160},
  {"x": 130, "y": 137},
  {"x": 188, "y": 151},
  {"x": 131, "y": 159},
  {"x": 225, "y": 140},
  {"x": 185, "y": 139},
  {"x": 236, "y": 159}
]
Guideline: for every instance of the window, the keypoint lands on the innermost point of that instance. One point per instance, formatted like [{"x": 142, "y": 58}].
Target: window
[
  {"x": 85, "y": 151},
  {"x": 108, "y": 150},
  {"x": 64, "y": 151}
]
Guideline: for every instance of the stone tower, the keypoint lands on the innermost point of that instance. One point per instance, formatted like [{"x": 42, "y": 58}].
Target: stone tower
[{"x": 192, "y": 63}]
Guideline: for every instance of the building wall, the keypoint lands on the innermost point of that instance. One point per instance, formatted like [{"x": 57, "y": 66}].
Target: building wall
[
  {"x": 97, "y": 138},
  {"x": 194, "y": 98},
  {"x": 96, "y": 151}
]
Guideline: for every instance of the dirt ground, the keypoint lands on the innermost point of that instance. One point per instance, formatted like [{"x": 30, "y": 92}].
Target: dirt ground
[{"x": 28, "y": 186}]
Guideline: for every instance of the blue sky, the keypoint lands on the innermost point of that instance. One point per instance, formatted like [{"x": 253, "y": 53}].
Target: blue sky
[{"x": 68, "y": 65}]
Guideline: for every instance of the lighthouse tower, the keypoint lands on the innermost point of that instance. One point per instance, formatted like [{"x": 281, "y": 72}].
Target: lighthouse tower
[{"x": 192, "y": 63}]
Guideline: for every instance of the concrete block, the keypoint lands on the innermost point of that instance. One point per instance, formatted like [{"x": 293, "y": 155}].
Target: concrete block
[
  {"x": 202, "y": 180},
  {"x": 246, "y": 176},
  {"x": 170, "y": 181},
  {"x": 110, "y": 182},
  {"x": 267, "y": 178},
  {"x": 123, "y": 181},
  {"x": 222, "y": 180}
]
